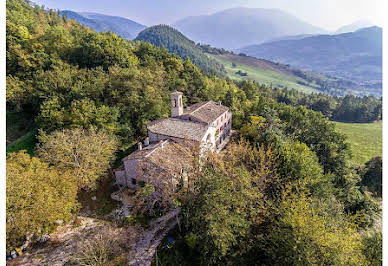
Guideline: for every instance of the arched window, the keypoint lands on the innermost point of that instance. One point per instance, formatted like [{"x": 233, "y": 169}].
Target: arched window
[
  {"x": 180, "y": 102},
  {"x": 174, "y": 102}
]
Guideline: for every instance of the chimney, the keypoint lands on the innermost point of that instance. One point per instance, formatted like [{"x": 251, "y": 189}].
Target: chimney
[
  {"x": 140, "y": 146},
  {"x": 146, "y": 141},
  {"x": 176, "y": 104},
  {"x": 219, "y": 102}
]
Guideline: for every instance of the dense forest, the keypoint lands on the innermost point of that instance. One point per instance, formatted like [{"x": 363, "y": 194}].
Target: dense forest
[
  {"x": 285, "y": 193},
  {"x": 177, "y": 43},
  {"x": 345, "y": 109}
]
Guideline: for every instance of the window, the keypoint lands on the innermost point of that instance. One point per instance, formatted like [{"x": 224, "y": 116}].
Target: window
[
  {"x": 180, "y": 102},
  {"x": 208, "y": 139},
  {"x": 174, "y": 102},
  {"x": 133, "y": 181}
]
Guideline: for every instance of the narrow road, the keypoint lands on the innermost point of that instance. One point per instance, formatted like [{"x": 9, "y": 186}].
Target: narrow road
[{"x": 145, "y": 247}]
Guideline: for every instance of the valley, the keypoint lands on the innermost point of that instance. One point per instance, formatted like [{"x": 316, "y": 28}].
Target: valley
[{"x": 353, "y": 56}]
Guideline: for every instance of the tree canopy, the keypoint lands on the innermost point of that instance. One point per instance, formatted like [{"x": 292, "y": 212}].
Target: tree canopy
[
  {"x": 87, "y": 154},
  {"x": 287, "y": 183},
  {"x": 38, "y": 197}
]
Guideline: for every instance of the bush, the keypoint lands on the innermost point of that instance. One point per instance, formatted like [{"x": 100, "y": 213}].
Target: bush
[
  {"x": 373, "y": 248},
  {"x": 372, "y": 175},
  {"x": 101, "y": 250}
]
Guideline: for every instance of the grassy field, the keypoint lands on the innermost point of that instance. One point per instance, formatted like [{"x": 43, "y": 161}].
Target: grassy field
[
  {"x": 263, "y": 76},
  {"x": 26, "y": 142},
  {"x": 20, "y": 132},
  {"x": 365, "y": 139}
]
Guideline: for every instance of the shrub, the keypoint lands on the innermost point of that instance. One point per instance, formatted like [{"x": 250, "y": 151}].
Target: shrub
[
  {"x": 372, "y": 175},
  {"x": 373, "y": 248},
  {"x": 103, "y": 249}
]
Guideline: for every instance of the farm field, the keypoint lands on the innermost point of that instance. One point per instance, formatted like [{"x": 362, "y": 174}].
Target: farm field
[
  {"x": 365, "y": 139},
  {"x": 262, "y": 72}
]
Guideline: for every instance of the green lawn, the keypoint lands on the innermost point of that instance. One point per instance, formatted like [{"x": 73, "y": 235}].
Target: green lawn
[
  {"x": 263, "y": 76},
  {"x": 18, "y": 124},
  {"x": 26, "y": 142},
  {"x": 20, "y": 132},
  {"x": 365, "y": 139}
]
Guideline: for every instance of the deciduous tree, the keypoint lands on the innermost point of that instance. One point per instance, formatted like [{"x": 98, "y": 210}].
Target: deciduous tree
[
  {"x": 86, "y": 153},
  {"x": 38, "y": 196}
]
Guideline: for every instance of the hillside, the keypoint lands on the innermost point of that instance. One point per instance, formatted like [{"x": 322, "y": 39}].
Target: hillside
[
  {"x": 177, "y": 43},
  {"x": 123, "y": 27},
  {"x": 263, "y": 71},
  {"x": 355, "y": 56},
  {"x": 365, "y": 139},
  {"x": 91, "y": 96},
  {"x": 281, "y": 75},
  {"x": 220, "y": 61},
  {"x": 237, "y": 27}
]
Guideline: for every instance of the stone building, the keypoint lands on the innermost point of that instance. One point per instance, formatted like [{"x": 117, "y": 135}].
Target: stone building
[{"x": 206, "y": 125}]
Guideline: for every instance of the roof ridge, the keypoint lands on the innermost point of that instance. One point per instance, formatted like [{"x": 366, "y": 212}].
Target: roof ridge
[
  {"x": 200, "y": 107},
  {"x": 158, "y": 146},
  {"x": 187, "y": 121}
]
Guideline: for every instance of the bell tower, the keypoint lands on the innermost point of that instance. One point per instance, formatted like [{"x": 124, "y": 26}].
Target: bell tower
[{"x": 176, "y": 104}]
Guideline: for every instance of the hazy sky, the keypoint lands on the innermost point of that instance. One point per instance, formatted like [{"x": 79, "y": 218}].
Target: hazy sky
[{"x": 328, "y": 14}]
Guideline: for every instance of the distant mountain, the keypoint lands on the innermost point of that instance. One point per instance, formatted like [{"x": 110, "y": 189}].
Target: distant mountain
[
  {"x": 237, "y": 27},
  {"x": 123, "y": 27},
  {"x": 281, "y": 76},
  {"x": 354, "y": 26},
  {"x": 291, "y": 37},
  {"x": 356, "y": 56},
  {"x": 176, "y": 42}
]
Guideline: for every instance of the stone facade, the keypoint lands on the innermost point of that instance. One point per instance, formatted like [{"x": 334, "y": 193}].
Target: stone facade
[{"x": 206, "y": 124}]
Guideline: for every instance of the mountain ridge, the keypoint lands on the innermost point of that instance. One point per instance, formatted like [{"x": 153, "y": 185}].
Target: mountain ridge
[
  {"x": 124, "y": 27},
  {"x": 354, "y": 26},
  {"x": 355, "y": 55},
  {"x": 235, "y": 27},
  {"x": 179, "y": 44}
]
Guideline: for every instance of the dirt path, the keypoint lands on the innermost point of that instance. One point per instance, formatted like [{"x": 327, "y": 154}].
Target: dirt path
[{"x": 145, "y": 247}]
